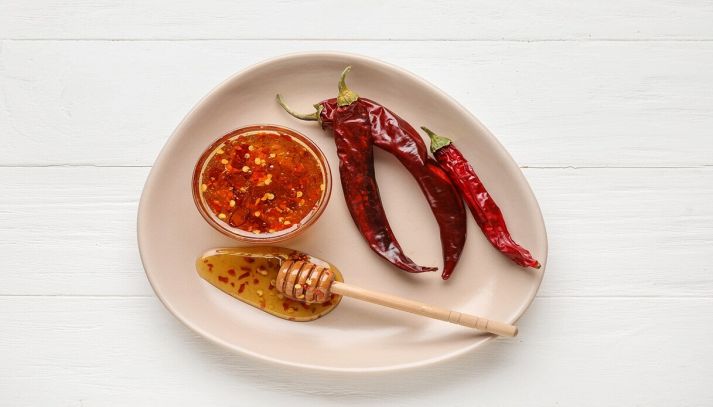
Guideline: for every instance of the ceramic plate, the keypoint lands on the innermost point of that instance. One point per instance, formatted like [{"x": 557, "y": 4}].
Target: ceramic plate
[{"x": 355, "y": 336}]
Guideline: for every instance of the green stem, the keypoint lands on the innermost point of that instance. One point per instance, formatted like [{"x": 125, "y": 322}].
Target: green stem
[
  {"x": 437, "y": 142},
  {"x": 310, "y": 117},
  {"x": 346, "y": 96}
]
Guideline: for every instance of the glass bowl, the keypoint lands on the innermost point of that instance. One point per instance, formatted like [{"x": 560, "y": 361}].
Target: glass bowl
[{"x": 222, "y": 183}]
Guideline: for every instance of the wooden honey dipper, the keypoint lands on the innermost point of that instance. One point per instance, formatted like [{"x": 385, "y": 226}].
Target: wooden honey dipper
[{"x": 307, "y": 282}]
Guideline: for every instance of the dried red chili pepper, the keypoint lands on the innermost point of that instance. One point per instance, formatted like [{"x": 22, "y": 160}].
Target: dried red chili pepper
[
  {"x": 394, "y": 135},
  {"x": 448, "y": 209},
  {"x": 482, "y": 205},
  {"x": 352, "y": 129},
  {"x": 356, "y": 170}
]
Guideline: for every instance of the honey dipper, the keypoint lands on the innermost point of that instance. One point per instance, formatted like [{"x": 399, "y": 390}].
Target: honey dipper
[{"x": 307, "y": 282}]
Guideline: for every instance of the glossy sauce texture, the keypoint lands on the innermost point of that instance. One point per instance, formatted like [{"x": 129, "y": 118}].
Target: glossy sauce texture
[
  {"x": 261, "y": 181},
  {"x": 249, "y": 274}
]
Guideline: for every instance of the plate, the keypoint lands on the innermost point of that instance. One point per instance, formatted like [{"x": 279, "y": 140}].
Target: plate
[{"x": 356, "y": 336}]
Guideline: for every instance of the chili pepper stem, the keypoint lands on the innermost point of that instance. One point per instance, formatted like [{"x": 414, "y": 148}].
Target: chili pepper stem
[
  {"x": 302, "y": 116},
  {"x": 346, "y": 96},
  {"x": 437, "y": 142}
]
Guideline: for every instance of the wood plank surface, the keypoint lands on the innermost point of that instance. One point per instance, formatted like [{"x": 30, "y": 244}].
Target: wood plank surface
[
  {"x": 365, "y": 19},
  {"x": 578, "y": 104},
  {"x": 89, "y": 351}
]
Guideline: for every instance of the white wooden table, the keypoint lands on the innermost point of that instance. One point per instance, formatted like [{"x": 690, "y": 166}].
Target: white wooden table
[{"x": 607, "y": 106}]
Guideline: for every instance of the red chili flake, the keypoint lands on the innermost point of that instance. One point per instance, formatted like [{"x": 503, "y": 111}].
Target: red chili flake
[
  {"x": 249, "y": 260},
  {"x": 223, "y": 279},
  {"x": 232, "y": 284},
  {"x": 231, "y": 272},
  {"x": 298, "y": 256},
  {"x": 244, "y": 268},
  {"x": 256, "y": 281},
  {"x": 285, "y": 305},
  {"x": 244, "y": 275},
  {"x": 327, "y": 303},
  {"x": 305, "y": 306},
  {"x": 241, "y": 288}
]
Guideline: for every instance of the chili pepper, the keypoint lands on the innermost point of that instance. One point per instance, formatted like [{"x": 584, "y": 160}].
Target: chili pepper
[
  {"x": 356, "y": 170},
  {"x": 482, "y": 205},
  {"x": 448, "y": 209},
  {"x": 351, "y": 126},
  {"x": 394, "y": 135}
]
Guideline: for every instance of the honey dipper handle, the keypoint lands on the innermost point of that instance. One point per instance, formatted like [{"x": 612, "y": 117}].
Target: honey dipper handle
[{"x": 419, "y": 308}]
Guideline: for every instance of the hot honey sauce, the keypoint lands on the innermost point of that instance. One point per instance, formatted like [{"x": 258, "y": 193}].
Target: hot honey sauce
[
  {"x": 250, "y": 273},
  {"x": 262, "y": 182}
]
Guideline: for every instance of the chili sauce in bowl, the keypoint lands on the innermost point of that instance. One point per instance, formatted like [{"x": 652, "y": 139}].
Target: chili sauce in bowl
[{"x": 262, "y": 184}]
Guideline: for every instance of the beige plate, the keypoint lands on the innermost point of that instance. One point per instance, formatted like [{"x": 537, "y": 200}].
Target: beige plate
[{"x": 356, "y": 336}]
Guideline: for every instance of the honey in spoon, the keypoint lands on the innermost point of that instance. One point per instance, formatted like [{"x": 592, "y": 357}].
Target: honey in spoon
[{"x": 250, "y": 273}]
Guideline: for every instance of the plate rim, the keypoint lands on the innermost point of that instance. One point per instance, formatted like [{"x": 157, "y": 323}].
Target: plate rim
[{"x": 503, "y": 153}]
